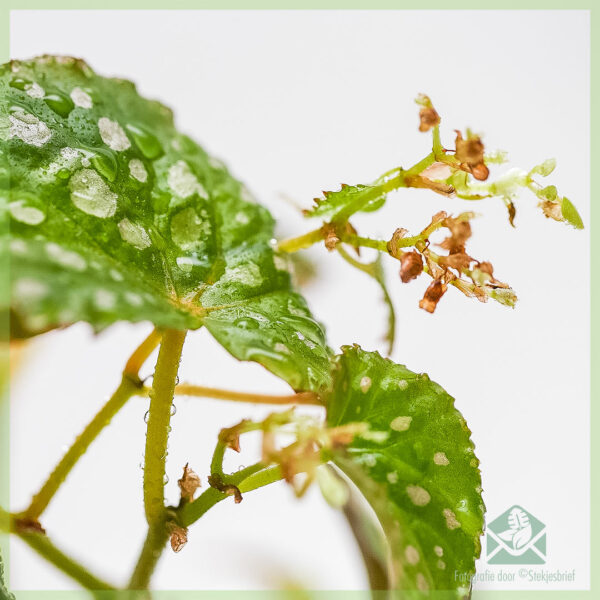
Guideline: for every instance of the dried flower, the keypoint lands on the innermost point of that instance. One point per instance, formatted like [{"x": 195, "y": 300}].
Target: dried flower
[
  {"x": 469, "y": 153},
  {"x": 432, "y": 295},
  {"x": 188, "y": 484},
  {"x": 179, "y": 537},
  {"x": 412, "y": 266}
]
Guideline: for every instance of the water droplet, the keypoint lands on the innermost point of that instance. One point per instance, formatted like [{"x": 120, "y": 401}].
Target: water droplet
[
  {"x": 165, "y": 479},
  {"x": 19, "y": 83},
  {"x": 104, "y": 161},
  {"x": 62, "y": 105},
  {"x": 63, "y": 173},
  {"x": 148, "y": 144},
  {"x": 173, "y": 409},
  {"x": 90, "y": 194},
  {"x": 246, "y": 323},
  {"x": 146, "y": 416}
]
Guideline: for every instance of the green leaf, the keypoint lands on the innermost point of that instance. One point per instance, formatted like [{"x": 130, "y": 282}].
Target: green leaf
[
  {"x": 115, "y": 215},
  {"x": 366, "y": 198},
  {"x": 416, "y": 467},
  {"x": 544, "y": 169},
  {"x": 570, "y": 214},
  {"x": 4, "y": 593}
]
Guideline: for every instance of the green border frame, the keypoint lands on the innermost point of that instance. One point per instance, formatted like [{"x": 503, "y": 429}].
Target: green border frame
[{"x": 587, "y": 5}]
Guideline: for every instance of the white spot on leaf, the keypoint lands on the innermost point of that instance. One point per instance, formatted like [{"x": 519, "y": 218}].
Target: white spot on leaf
[
  {"x": 419, "y": 496},
  {"x": 190, "y": 230},
  {"x": 65, "y": 258},
  {"x": 365, "y": 384},
  {"x": 134, "y": 234},
  {"x": 28, "y": 289},
  {"x": 91, "y": 194},
  {"x": 183, "y": 182},
  {"x": 35, "y": 90},
  {"x": 112, "y": 134},
  {"x": 451, "y": 520},
  {"x": 28, "y": 128},
  {"x": 412, "y": 555},
  {"x": 81, "y": 98},
  {"x": 104, "y": 299},
  {"x": 392, "y": 477},
  {"x": 26, "y": 214},
  {"x": 440, "y": 458},
  {"x": 401, "y": 423},
  {"x": 138, "y": 170}
]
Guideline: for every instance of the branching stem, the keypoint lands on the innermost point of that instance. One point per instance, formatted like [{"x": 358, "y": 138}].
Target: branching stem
[{"x": 129, "y": 386}]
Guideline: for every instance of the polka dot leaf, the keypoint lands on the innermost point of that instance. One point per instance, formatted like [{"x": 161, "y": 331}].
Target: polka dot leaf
[
  {"x": 115, "y": 215},
  {"x": 416, "y": 467}
]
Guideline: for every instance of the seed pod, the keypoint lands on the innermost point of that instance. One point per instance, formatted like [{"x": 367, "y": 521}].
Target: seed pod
[{"x": 412, "y": 266}]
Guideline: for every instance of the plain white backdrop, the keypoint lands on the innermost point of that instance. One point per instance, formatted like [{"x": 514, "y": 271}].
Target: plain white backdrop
[{"x": 296, "y": 102}]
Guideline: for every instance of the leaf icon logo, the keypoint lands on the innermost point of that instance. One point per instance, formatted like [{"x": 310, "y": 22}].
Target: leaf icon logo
[{"x": 520, "y": 529}]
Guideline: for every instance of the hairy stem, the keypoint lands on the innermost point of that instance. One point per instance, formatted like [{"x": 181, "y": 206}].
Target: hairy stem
[
  {"x": 47, "y": 550},
  {"x": 186, "y": 389},
  {"x": 129, "y": 386},
  {"x": 153, "y": 546},
  {"x": 159, "y": 416},
  {"x": 157, "y": 434}
]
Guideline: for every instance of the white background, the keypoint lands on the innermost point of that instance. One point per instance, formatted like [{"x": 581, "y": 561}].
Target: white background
[{"x": 297, "y": 102}]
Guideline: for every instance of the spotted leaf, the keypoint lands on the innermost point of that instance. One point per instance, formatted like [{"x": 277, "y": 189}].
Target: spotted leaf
[
  {"x": 115, "y": 215},
  {"x": 4, "y": 593},
  {"x": 417, "y": 469}
]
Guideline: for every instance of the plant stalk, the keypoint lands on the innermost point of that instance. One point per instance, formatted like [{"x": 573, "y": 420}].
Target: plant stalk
[
  {"x": 46, "y": 549},
  {"x": 159, "y": 417},
  {"x": 186, "y": 389},
  {"x": 129, "y": 386}
]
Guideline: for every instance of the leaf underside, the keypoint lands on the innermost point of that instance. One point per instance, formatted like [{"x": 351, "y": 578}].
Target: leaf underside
[
  {"x": 114, "y": 215},
  {"x": 417, "y": 469}
]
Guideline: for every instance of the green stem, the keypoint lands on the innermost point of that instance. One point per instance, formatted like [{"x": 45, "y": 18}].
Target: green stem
[
  {"x": 159, "y": 416},
  {"x": 246, "y": 480},
  {"x": 186, "y": 389},
  {"x": 129, "y": 386},
  {"x": 46, "y": 549},
  {"x": 153, "y": 546},
  {"x": 301, "y": 242},
  {"x": 40, "y": 501},
  {"x": 364, "y": 242}
]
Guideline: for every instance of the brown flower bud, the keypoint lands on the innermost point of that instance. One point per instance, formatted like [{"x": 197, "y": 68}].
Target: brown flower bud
[
  {"x": 393, "y": 248},
  {"x": 428, "y": 118},
  {"x": 330, "y": 236},
  {"x": 178, "y": 537},
  {"x": 188, "y": 484},
  {"x": 459, "y": 261},
  {"x": 470, "y": 154},
  {"x": 432, "y": 295},
  {"x": 412, "y": 266}
]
